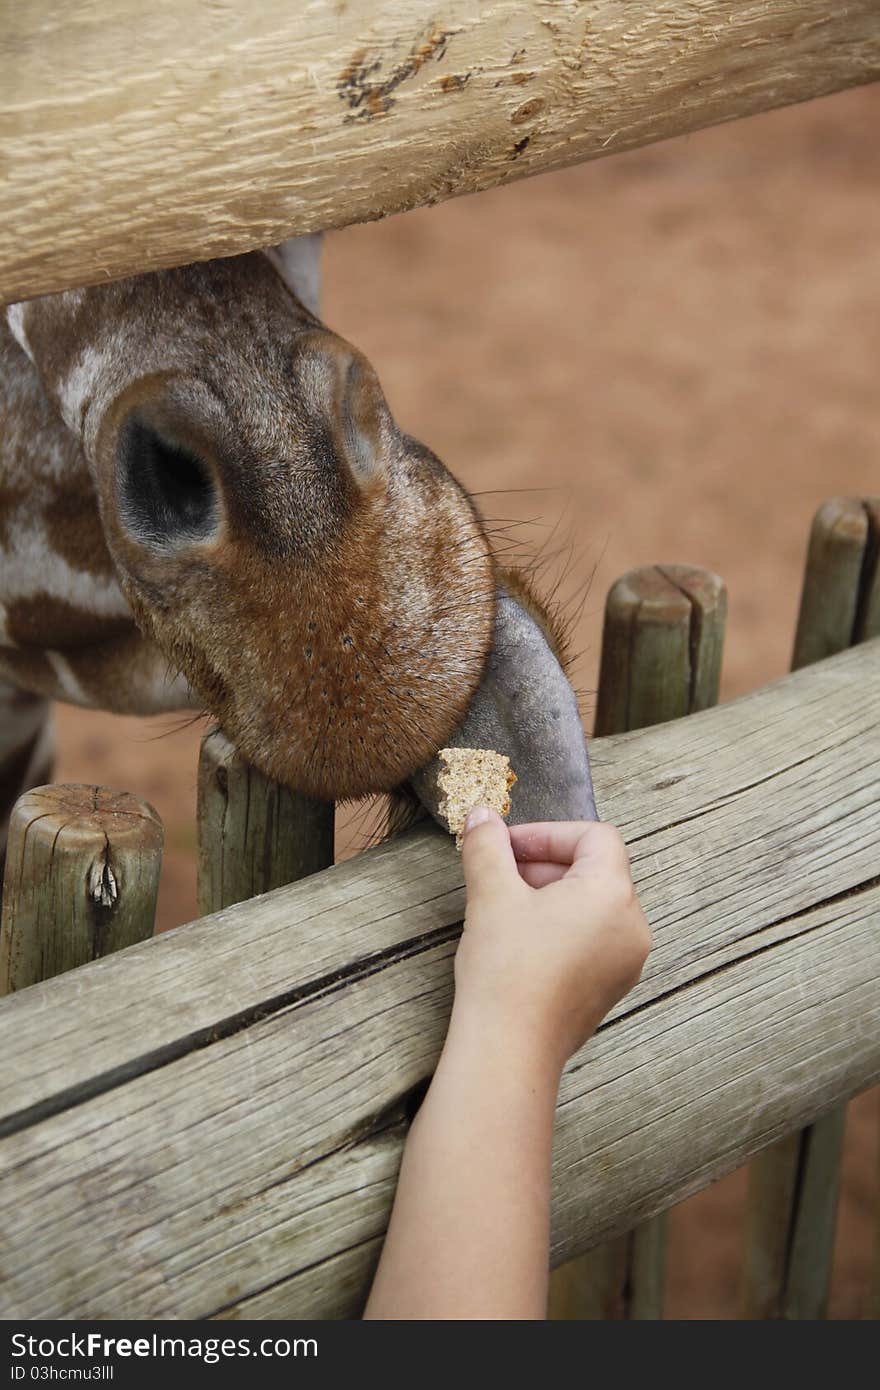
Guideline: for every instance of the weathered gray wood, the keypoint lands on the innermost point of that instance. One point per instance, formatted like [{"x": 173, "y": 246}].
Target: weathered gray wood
[
  {"x": 138, "y": 136},
  {"x": 868, "y": 615},
  {"x": 619, "y": 1280},
  {"x": 253, "y": 835},
  {"x": 771, "y": 1201},
  {"x": 793, "y": 1191},
  {"x": 588, "y": 1289},
  {"x": 661, "y": 647},
  {"x": 211, "y": 1126},
  {"x": 793, "y": 1187},
  {"x": 82, "y": 875},
  {"x": 647, "y": 1265},
  {"x": 815, "y": 1213},
  {"x": 840, "y": 599},
  {"x": 662, "y": 643}
]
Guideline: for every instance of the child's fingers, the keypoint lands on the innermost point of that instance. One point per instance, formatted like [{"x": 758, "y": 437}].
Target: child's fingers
[
  {"x": 539, "y": 875},
  {"x": 600, "y": 846},
  {"x": 547, "y": 842},
  {"x": 487, "y": 857}
]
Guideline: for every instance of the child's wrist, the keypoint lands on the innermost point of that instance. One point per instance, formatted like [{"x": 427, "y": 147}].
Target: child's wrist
[{"x": 492, "y": 1037}]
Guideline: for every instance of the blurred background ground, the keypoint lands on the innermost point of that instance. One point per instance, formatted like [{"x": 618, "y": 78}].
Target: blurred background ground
[{"x": 670, "y": 355}]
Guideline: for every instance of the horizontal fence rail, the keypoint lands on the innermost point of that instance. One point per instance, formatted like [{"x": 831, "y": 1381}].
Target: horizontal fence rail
[
  {"x": 210, "y": 1124},
  {"x": 140, "y": 136}
]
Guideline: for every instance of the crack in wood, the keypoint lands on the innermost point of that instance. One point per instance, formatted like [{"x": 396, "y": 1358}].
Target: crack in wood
[{"x": 236, "y": 1023}]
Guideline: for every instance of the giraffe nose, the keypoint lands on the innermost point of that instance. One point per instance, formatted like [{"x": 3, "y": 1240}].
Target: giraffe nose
[
  {"x": 362, "y": 414},
  {"x": 167, "y": 496},
  {"x": 347, "y": 392}
]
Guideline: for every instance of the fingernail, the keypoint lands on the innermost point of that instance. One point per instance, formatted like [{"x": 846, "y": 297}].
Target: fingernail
[{"x": 477, "y": 816}]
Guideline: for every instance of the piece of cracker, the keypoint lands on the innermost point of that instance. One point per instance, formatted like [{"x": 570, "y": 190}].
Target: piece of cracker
[{"x": 469, "y": 777}]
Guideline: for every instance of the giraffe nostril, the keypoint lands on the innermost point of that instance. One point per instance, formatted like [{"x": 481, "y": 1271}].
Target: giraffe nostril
[{"x": 166, "y": 493}]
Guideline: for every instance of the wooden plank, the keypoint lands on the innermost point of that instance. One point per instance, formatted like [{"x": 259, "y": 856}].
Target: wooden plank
[
  {"x": 793, "y": 1188},
  {"x": 219, "y": 973},
  {"x": 136, "y": 137},
  {"x": 82, "y": 876},
  {"x": 662, "y": 643},
  {"x": 223, "y": 1177},
  {"x": 212, "y": 1125},
  {"x": 387, "y": 899},
  {"x": 253, "y": 834}
]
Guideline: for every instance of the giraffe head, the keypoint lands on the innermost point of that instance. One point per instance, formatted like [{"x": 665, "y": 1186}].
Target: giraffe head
[{"x": 321, "y": 580}]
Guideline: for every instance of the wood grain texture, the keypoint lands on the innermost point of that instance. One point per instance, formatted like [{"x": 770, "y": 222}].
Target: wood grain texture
[
  {"x": 136, "y": 137},
  {"x": 840, "y": 598},
  {"x": 213, "y": 1122},
  {"x": 793, "y": 1186},
  {"x": 815, "y": 1218},
  {"x": 82, "y": 877},
  {"x": 662, "y": 641},
  {"x": 253, "y": 834}
]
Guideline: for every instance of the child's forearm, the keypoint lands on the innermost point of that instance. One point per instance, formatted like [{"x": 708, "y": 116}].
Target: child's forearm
[{"x": 469, "y": 1232}]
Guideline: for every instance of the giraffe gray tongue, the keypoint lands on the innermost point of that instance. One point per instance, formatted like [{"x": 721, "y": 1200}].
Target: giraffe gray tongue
[{"x": 525, "y": 707}]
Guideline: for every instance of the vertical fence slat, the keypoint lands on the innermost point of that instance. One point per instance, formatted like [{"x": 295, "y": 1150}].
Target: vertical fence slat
[
  {"x": 661, "y": 647},
  {"x": 253, "y": 834},
  {"x": 793, "y": 1187},
  {"x": 661, "y": 659},
  {"x": 82, "y": 876},
  {"x": 645, "y": 1273},
  {"x": 812, "y": 1240}
]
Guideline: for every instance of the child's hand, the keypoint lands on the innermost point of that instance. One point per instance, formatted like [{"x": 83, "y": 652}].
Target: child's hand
[{"x": 554, "y": 935}]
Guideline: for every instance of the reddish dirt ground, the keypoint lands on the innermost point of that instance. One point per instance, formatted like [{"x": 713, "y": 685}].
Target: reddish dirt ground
[{"x": 672, "y": 355}]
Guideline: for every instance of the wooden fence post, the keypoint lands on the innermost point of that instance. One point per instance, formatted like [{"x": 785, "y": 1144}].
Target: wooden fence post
[
  {"x": 253, "y": 834},
  {"x": 661, "y": 659},
  {"x": 82, "y": 875},
  {"x": 793, "y": 1186}
]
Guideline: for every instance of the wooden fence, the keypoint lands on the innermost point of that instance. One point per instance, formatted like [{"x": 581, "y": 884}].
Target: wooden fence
[
  {"x": 209, "y": 1123},
  {"x": 140, "y": 136}
]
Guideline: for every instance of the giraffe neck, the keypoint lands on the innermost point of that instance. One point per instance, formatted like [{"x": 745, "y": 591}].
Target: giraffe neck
[{"x": 66, "y": 630}]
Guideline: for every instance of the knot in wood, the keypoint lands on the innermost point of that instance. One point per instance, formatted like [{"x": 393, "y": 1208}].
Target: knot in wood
[{"x": 103, "y": 888}]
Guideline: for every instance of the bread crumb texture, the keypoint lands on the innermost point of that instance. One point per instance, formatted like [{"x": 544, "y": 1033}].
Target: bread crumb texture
[{"x": 472, "y": 777}]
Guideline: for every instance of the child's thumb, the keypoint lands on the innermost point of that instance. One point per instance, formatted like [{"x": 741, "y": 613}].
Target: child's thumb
[{"x": 486, "y": 853}]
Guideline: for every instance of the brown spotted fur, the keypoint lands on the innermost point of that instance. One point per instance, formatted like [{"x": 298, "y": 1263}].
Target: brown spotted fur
[{"x": 337, "y": 622}]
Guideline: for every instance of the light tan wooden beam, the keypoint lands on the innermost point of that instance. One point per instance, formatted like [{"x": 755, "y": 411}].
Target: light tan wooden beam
[
  {"x": 137, "y": 136},
  {"x": 209, "y": 1124}
]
